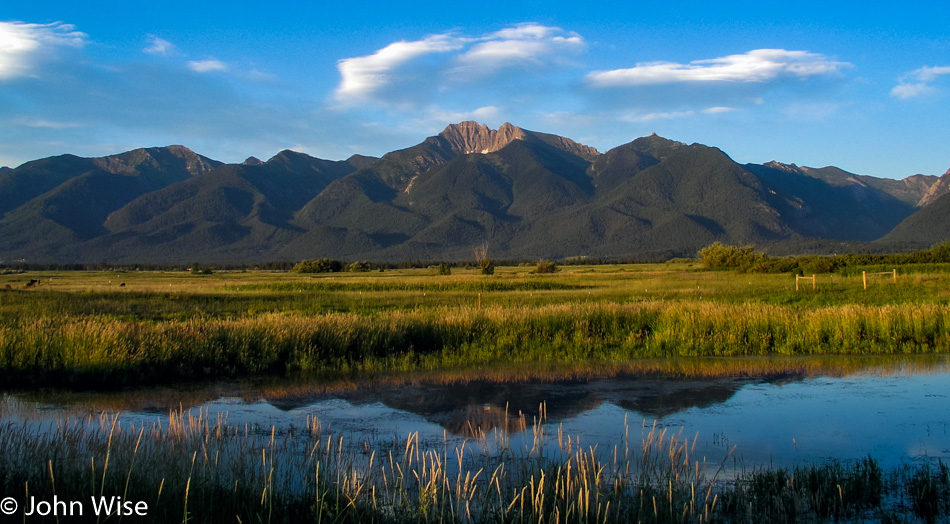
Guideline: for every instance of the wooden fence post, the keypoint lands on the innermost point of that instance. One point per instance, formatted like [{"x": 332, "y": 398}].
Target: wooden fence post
[
  {"x": 813, "y": 278},
  {"x": 865, "y": 274}
]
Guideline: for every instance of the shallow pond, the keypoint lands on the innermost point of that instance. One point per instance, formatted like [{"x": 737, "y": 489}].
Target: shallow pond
[{"x": 744, "y": 413}]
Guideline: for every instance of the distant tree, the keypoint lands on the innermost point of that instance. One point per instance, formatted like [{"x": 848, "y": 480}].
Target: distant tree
[
  {"x": 197, "y": 269},
  {"x": 546, "y": 266},
  {"x": 358, "y": 267},
  {"x": 444, "y": 269},
  {"x": 484, "y": 263},
  {"x": 320, "y": 265},
  {"x": 719, "y": 255}
]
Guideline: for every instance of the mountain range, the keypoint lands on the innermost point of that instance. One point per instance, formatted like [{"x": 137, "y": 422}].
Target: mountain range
[{"x": 523, "y": 194}]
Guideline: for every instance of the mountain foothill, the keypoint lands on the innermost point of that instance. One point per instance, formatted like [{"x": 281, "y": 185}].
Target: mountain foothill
[{"x": 525, "y": 195}]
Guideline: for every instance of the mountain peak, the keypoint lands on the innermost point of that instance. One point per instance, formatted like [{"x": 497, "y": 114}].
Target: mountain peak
[
  {"x": 132, "y": 161},
  {"x": 472, "y": 137},
  {"x": 937, "y": 190},
  {"x": 788, "y": 168}
]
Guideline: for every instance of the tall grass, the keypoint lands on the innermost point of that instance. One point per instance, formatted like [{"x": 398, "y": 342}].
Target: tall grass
[
  {"x": 76, "y": 350},
  {"x": 193, "y": 467},
  {"x": 80, "y": 329}
]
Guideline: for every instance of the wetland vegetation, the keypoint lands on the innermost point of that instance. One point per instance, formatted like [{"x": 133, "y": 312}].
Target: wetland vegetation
[
  {"x": 107, "y": 330},
  {"x": 95, "y": 329},
  {"x": 196, "y": 467}
]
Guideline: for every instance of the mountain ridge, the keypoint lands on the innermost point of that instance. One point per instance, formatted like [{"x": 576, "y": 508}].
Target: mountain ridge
[{"x": 527, "y": 194}]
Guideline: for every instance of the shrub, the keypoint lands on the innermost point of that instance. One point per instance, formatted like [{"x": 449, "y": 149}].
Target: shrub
[
  {"x": 322, "y": 265},
  {"x": 444, "y": 269},
  {"x": 358, "y": 267},
  {"x": 816, "y": 264},
  {"x": 487, "y": 266},
  {"x": 196, "y": 269},
  {"x": 546, "y": 266},
  {"x": 717, "y": 256}
]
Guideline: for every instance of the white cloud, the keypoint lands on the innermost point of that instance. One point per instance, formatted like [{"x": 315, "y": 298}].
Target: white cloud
[
  {"x": 44, "y": 124},
  {"x": 436, "y": 119},
  {"x": 524, "y": 43},
  {"x": 717, "y": 110},
  {"x": 917, "y": 83},
  {"x": 22, "y": 45},
  {"x": 759, "y": 65},
  {"x": 364, "y": 75},
  {"x": 462, "y": 56},
  {"x": 673, "y": 115},
  {"x": 207, "y": 66},
  {"x": 158, "y": 46}
]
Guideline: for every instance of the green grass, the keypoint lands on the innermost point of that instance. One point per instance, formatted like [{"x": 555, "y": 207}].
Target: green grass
[{"x": 83, "y": 329}]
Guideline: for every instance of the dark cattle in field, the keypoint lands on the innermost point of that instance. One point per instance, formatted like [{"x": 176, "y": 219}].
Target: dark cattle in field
[
  {"x": 122, "y": 284},
  {"x": 33, "y": 283}
]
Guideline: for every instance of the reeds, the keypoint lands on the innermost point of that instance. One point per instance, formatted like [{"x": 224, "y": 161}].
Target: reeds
[{"x": 194, "y": 467}]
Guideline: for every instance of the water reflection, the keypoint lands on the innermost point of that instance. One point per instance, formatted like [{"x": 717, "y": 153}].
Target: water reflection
[{"x": 773, "y": 411}]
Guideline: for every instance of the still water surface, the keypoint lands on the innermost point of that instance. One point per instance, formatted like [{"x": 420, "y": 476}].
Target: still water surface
[{"x": 809, "y": 411}]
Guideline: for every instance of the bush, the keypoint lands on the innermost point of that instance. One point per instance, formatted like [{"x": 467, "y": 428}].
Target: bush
[
  {"x": 487, "y": 266},
  {"x": 546, "y": 266},
  {"x": 322, "y": 265},
  {"x": 198, "y": 270},
  {"x": 444, "y": 269},
  {"x": 358, "y": 267},
  {"x": 815, "y": 264},
  {"x": 720, "y": 256}
]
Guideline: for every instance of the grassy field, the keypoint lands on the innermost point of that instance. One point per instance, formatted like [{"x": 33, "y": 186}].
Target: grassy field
[
  {"x": 114, "y": 329},
  {"x": 105, "y": 330}
]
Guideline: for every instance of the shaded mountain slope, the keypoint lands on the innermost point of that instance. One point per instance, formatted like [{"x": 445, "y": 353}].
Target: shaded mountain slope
[
  {"x": 526, "y": 194},
  {"x": 928, "y": 226},
  {"x": 838, "y": 207}
]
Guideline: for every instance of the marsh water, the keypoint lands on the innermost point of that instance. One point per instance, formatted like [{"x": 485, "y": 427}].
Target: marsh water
[{"x": 746, "y": 414}]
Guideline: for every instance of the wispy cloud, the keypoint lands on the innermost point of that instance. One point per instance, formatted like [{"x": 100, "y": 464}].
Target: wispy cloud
[
  {"x": 22, "y": 45},
  {"x": 364, "y": 75},
  {"x": 434, "y": 119},
  {"x": 461, "y": 58},
  {"x": 673, "y": 115},
  {"x": 759, "y": 65},
  {"x": 45, "y": 124},
  {"x": 207, "y": 66},
  {"x": 717, "y": 110},
  {"x": 158, "y": 46},
  {"x": 917, "y": 83},
  {"x": 523, "y": 44}
]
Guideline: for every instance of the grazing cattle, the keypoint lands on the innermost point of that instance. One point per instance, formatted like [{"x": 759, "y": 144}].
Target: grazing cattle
[
  {"x": 33, "y": 283},
  {"x": 122, "y": 284},
  {"x": 9, "y": 287}
]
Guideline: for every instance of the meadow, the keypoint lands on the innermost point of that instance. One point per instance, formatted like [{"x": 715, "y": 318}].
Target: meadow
[
  {"x": 112, "y": 329},
  {"x": 109, "y": 330}
]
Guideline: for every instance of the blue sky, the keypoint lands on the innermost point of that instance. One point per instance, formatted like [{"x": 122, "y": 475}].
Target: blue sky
[{"x": 864, "y": 88}]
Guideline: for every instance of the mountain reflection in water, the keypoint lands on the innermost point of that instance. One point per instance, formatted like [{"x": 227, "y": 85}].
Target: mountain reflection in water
[
  {"x": 480, "y": 406},
  {"x": 774, "y": 410}
]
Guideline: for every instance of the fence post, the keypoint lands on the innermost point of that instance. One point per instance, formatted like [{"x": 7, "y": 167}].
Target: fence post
[
  {"x": 479, "y": 301},
  {"x": 865, "y": 275},
  {"x": 895, "y": 275},
  {"x": 814, "y": 282}
]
